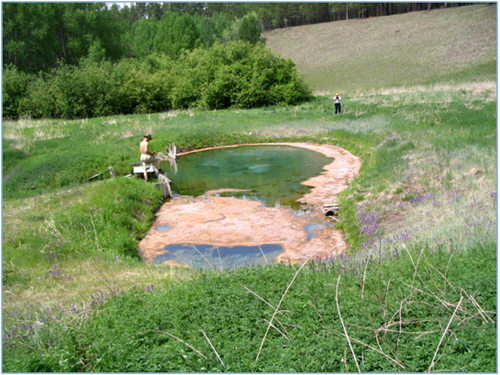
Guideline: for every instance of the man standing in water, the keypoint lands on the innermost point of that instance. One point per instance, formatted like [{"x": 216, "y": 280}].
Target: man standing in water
[
  {"x": 337, "y": 100},
  {"x": 147, "y": 157}
]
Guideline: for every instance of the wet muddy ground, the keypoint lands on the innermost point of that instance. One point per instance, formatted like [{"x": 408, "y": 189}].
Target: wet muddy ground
[{"x": 229, "y": 222}]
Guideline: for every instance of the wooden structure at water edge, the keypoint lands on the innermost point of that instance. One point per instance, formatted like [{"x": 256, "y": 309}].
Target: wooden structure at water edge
[
  {"x": 330, "y": 209},
  {"x": 163, "y": 181}
]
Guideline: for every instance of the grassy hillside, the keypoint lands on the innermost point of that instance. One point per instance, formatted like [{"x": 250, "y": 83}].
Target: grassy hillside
[{"x": 457, "y": 44}]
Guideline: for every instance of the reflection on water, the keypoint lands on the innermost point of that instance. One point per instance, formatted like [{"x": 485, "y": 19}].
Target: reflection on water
[
  {"x": 209, "y": 257},
  {"x": 270, "y": 174}
]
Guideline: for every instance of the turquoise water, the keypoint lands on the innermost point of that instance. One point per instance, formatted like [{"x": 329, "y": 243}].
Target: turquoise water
[{"x": 270, "y": 174}]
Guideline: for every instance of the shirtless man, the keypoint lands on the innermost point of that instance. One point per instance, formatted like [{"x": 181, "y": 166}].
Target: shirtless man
[{"x": 147, "y": 157}]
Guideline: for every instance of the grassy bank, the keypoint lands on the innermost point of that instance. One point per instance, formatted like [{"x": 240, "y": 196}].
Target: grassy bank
[{"x": 416, "y": 291}]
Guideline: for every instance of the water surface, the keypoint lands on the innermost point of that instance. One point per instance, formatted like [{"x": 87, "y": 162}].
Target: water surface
[
  {"x": 270, "y": 174},
  {"x": 209, "y": 257}
]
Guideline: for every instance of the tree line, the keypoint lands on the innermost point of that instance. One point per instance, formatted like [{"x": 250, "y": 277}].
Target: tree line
[
  {"x": 75, "y": 60},
  {"x": 39, "y": 36}
]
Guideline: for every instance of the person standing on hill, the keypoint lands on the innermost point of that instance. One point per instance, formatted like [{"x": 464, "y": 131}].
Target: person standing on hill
[
  {"x": 147, "y": 157},
  {"x": 337, "y": 100}
]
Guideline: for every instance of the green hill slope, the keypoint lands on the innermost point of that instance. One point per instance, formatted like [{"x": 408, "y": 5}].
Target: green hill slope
[{"x": 426, "y": 47}]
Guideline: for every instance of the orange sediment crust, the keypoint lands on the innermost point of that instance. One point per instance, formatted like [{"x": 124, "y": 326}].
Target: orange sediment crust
[{"x": 228, "y": 222}]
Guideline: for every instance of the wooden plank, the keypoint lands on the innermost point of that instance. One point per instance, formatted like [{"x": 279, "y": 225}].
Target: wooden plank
[
  {"x": 164, "y": 178},
  {"x": 94, "y": 176},
  {"x": 141, "y": 169},
  {"x": 172, "y": 151},
  {"x": 169, "y": 192}
]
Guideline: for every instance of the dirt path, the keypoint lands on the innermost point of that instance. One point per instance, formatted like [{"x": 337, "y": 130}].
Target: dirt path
[{"x": 225, "y": 221}]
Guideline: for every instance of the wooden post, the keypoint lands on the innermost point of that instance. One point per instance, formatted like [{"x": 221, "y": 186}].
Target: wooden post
[
  {"x": 164, "y": 183},
  {"x": 172, "y": 151}
]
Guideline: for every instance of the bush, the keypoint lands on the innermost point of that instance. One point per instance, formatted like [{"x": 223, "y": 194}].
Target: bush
[
  {"x": 236, "y": 74},
  {"x": 146, "y": 87},
  {"x": 14, "y": 87},
  {"x": 239, "y": 74}
]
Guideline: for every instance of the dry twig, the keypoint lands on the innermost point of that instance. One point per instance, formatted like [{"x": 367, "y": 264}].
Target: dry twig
[
  {"x": 444, "y": 334},
  {"x": 375, "y": 349},
  {"x": 178, "y": 339},
  {"x": 204, "y": 257},
  {"x": 215, "y": 351},
  {"x": 280, "y": 302},
  {"x": 343, "y": 325}
]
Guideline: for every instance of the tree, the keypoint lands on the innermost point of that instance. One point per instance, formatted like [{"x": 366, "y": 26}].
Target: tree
[
  {"x": 143, "y": 35},
  {"x": 176, "y": 32},
  {"x": 37, "y": 36},
  {"x": 249, "y": 30},
  {"x": 28, "y": 38}
]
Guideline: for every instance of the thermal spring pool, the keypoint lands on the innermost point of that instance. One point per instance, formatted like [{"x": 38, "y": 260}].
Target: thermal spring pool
[
  {"x": 271, "y": 175},
  {"x": 252, "y": 204}
]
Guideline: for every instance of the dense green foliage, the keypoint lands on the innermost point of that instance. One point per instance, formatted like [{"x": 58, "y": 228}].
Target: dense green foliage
[
  {"x": 36, "y": 36},
  {"x": 235, "y": 74},
  {"x": 106, "y": 221},
  {"x": 394, "y": 313}
]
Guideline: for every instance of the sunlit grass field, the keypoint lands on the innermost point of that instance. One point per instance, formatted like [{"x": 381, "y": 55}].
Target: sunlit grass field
[
  {"x": 416, "y": 292},
  {"x": 428, "y": 47}
]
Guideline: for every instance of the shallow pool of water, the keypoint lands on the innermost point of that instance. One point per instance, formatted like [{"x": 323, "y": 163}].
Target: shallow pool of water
[
  {"x": 269, "y": 174},
  {"x": 209, "y": 257}
]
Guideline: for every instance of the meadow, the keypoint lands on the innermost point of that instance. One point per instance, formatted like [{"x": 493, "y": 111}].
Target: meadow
[
  {"x": 416, "y": 292},
  {"x": 411, "y": 49}
]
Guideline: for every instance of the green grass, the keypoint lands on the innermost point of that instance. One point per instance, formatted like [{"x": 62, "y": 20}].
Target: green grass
[
  {"x": 417, "y": 289},
  {"x": 394, "y": 319},
  {"x": 415, "y": 191}
]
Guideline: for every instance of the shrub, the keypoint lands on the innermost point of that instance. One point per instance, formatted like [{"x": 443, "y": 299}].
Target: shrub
[
  {"x": 236, "y": 74},
  {"x": 40, "y": 100},
  {"x": 14, "y": 86},
  {"x": 145, "y": 92}
]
